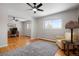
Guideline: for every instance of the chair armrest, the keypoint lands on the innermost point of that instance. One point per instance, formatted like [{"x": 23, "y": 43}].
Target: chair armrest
[{"x": 60, "y": 44}]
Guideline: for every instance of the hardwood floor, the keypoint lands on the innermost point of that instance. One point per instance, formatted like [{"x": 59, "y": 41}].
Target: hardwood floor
[
  {"x": 17, "y": 42},
  {"x": 60, "y": 53}
]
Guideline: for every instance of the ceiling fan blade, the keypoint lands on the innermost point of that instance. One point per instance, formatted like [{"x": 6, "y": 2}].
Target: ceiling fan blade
[
  {"x": 13, "y": 18},
  {"x": 16, "y": 20},
  {"x": 34, "y": 3},
  {"x": 39, "y": 5},
  {"x": 29, "y": 5},
  {"x": 40, "y": 10}
]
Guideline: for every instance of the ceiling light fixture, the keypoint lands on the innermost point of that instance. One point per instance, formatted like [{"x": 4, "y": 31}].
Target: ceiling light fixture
[{"x": 34, "y": 9}]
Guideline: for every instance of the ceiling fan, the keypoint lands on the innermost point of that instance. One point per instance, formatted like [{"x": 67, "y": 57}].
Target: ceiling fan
[
  {"x": 35, "y": 7},
  {"x": 15, "y": 19}
]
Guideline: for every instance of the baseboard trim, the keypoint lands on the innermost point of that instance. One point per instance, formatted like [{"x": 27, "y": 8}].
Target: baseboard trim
[
  {"x": 27, "y": 36},
  {"x": 4, "y": 45},
  {"x": 47, "y": 40},
  {"x": 33, "y": 38}
]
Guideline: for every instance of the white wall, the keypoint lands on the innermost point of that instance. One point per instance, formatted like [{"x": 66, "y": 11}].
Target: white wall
[
  {"x": 33, "y": 28},
  {"x": 3, "y": 25},
  {"x": 52, "y": 34},
  {"x": 27, "y": 32},
  {"x": 78, "y": 11}
]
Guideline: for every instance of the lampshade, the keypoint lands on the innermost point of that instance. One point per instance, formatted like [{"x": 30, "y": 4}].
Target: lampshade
[{"x": 72, "y": 25}]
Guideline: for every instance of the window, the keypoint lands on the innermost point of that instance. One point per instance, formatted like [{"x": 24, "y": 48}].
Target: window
[
  {"x": 53, "y": 24},
  {"x": 57, "y": 24}
]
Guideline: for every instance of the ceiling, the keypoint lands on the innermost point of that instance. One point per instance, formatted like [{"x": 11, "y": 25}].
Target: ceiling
[{"x": 21, "y": 9}]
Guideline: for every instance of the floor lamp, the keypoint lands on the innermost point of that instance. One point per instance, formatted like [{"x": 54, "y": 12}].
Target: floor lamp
[{"x": 72, "y": 25}]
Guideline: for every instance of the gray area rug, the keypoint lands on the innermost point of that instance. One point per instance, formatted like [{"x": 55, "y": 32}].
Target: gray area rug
[{"x": 34, "y": 49}]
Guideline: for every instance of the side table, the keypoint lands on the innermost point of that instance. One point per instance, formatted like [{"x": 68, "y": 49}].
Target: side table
[{"x": 67, "y": 48}]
